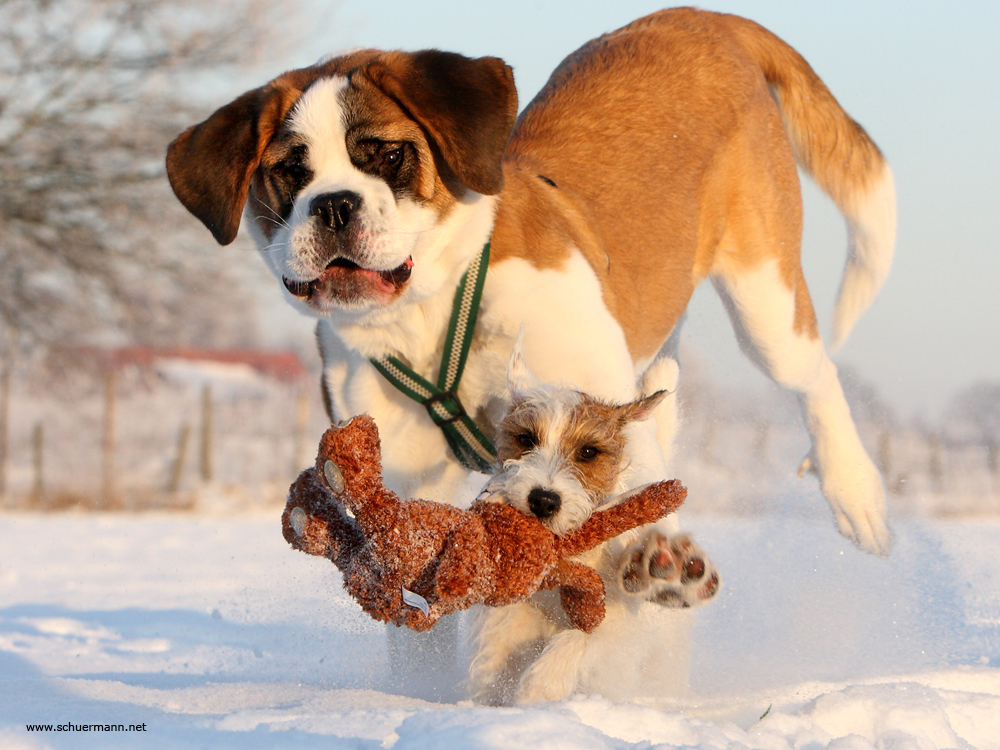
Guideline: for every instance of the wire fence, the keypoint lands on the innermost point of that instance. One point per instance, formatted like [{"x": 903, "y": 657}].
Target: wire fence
[
  {"x": 180, "y": 434},
  {"x": 201, "y": 434}
]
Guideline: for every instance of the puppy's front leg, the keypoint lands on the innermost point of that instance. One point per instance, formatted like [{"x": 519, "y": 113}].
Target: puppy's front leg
[
  {"x": 556, "y": 673},
  {"x": 504, "y": 640}
]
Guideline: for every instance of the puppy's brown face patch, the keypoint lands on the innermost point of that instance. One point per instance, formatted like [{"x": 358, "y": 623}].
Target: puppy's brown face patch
[
  {"x": 351, "y": 173},
  {"x": 284, "y": 170},
  {"x": 384, "y": 142},
  {"x": 343, "y": 192},
  {"x": 567, "y": 446},
  {"x": 594, "y": 444}
]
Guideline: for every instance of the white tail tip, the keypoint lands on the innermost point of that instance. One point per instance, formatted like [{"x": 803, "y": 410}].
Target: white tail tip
[{"x": 872, "y": 230}]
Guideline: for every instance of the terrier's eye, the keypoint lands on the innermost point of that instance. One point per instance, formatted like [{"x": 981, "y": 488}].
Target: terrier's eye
[
  {"x": 587, "y": 453},
  {"x": 526, "y": 440}
]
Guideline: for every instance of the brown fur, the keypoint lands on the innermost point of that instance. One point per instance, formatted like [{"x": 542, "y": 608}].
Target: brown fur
[
  {"x": 671, "y": 158},
  {"x": 591, "y": 424},
  {"x": 491, "y": 554},
  {"x": 465, "y": 106}
]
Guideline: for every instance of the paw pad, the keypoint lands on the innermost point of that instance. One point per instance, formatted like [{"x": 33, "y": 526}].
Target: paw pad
[
  {"x": 661, "y": 563},
  {"x": 693, "y": 570},
  {"x": 632, "y": 579},
  {"x": 670, "y": 571}
]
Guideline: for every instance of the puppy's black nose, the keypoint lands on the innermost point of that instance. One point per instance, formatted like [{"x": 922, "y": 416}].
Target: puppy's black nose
[
  {"x": 543, "y": 503},
  {"x": 335, "y": 210}
]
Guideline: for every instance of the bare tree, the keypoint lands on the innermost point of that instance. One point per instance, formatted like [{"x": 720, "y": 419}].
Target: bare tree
[
  {"x": 974, "y": 412},
  {"x": 92, "y": 243},
  {"x": 973, "y": 417}
]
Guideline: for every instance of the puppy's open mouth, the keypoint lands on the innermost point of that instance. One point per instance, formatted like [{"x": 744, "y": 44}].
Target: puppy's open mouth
[{"x": 342, "y": 271}]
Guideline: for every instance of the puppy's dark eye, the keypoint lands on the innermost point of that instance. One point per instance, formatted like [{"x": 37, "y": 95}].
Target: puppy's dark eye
[
  {"x": 587, "y": 453},
  {"x": 293, "y": 167},
  {"x": 296, "y": 170},
  {"x": 393, "y": 157},
  {"x": 526, "y": 440}
]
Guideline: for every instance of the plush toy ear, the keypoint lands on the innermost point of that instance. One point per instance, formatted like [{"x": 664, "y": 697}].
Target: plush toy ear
[
  {"x": 467, "y": 106},
  {"x": 210, "y": 164},
  {"x": 521, "y": 381},
  {"x": 642, "y": 408}
]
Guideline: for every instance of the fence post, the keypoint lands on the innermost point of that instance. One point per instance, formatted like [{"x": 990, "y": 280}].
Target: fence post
[
  {"x": 110, "y": 406},
  {"x": 935, "y": 463},
  {"x": 177, "y": 473},
  {"x": 301, "y": 430},
  {"x": 37, "y": 459},
  {"x": 885, "y": 456},
  {"x": 761, "y": 447},
  {"x": 206, "y": 433},
  {"x": 5, "y": 375},
  {"x": 993, "y": 463}
]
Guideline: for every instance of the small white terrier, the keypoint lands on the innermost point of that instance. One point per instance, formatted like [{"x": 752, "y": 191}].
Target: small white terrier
[{"x": 563, "y": 456}]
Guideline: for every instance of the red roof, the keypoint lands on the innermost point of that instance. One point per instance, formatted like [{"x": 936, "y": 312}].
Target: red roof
[{"x": 280, "y": 365}]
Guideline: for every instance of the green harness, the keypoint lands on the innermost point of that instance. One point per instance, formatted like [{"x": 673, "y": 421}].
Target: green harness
[{"x": 469, "y": 445}]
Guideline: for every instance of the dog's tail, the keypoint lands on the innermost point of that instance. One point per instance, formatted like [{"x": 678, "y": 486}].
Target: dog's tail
[{"x": 843, "y": 161}]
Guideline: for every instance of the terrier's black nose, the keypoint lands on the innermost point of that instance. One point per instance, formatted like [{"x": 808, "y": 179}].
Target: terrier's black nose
[
  {"x": 335, "y": 210},
  {"x": 543, "y": 503}
]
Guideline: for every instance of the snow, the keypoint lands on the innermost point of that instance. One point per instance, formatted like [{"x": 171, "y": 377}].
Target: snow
[{"x": 212, "y": 632}]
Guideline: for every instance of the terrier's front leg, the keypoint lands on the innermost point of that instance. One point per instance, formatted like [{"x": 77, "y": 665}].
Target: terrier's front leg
[
  {"x": 556, "y": 673},
  {"x": 505, "y": 641},
  {"x": 668, "y": 570}
]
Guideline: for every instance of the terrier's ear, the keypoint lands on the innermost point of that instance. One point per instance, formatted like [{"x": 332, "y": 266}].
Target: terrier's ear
[
  {"x": 642, "y": 408},
  {"x": 520, "y": 379}
]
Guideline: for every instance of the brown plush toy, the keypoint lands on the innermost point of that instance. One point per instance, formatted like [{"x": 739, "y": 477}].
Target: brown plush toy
[{"x": 409, "y": 562}]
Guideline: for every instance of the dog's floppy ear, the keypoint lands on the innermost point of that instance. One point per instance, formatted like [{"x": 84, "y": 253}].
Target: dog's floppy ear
[
  {"x": 467, "y": 106},
  {"x": 642, "y": 408},
  {"x": 210, "y": 164}
]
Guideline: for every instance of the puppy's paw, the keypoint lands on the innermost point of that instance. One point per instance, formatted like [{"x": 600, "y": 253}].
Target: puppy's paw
[{"x": 672, "y": 571}]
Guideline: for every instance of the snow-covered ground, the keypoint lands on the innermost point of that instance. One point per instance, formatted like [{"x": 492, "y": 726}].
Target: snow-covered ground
[{"x": 211, "y": 632}]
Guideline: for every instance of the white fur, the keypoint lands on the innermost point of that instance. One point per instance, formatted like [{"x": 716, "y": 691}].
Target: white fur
[
  {"x": 529, "y": 652},
  {"x": 570, "y": 338},
  {"x": 762, "y": 308},
  {"x": 871, "y": 224}
]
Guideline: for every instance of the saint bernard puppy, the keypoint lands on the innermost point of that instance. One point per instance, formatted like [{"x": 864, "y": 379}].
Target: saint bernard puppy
[{"x": 656, "y": 156}]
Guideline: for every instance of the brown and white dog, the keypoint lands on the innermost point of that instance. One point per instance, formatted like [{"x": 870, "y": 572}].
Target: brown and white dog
[
  {"x": 563, "y": 455},
  {"x": 656, "y": 156}
]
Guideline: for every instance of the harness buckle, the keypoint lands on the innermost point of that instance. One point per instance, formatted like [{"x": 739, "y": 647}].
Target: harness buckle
[{"x": 442, "y": 397}]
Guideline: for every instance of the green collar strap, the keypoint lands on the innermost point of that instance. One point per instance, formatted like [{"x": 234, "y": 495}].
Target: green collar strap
[{"x": 469, "y": 445}]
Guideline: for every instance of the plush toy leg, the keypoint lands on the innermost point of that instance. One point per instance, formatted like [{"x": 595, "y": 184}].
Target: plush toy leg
[
  {"x": 581, "y": 593},
  {"x": 314, "y": 524}
]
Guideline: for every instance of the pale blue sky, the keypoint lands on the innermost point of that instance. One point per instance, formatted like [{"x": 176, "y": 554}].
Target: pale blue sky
[{"x": 922, "y": 78}]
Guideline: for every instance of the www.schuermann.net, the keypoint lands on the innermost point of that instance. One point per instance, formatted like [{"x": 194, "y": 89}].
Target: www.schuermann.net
[{"x": 70, "y": 727}]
